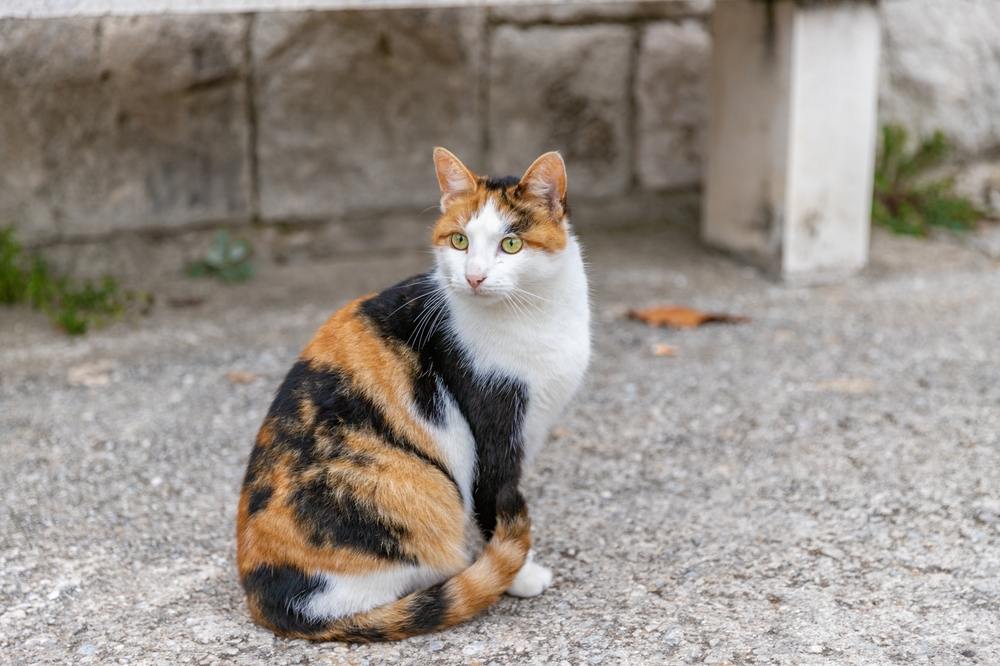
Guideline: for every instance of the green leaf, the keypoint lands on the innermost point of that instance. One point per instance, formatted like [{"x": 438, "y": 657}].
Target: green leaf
[
  {"x": 227, "y": 260},
  {"x": 907, "y": 202}
]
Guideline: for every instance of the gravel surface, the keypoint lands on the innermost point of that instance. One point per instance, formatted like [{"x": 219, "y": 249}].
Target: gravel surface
[{"x": 821, "y": 485}]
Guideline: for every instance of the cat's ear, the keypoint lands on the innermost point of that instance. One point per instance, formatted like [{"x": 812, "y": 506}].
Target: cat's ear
[
  {"x": 454, "y": 178},
  {"x": 546, "y": 179}
]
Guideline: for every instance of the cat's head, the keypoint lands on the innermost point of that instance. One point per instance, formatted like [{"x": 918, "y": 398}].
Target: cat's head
[{"x": 496, "y": 236}]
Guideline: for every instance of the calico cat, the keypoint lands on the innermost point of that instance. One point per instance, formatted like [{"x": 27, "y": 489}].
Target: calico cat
[{"x": 381, "y": 498}]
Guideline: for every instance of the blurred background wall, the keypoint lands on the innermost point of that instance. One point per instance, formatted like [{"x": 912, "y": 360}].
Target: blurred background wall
[{"x": 286, "y": 121}]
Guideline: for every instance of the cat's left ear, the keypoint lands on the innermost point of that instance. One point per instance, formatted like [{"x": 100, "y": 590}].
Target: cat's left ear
[
  {"x": 546, "y": 179},
  {"x": 454, "y": 178}
]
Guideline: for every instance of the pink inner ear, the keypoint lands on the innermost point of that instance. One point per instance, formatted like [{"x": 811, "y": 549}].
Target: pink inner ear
[
  {"x": 453, "y": 176},
  {"x": 546, "y": 178},
  {"x": 457, "y": 180}
]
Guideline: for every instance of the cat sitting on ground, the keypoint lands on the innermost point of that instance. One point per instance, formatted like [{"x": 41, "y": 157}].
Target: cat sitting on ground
[{"x": 381, "y": 498}]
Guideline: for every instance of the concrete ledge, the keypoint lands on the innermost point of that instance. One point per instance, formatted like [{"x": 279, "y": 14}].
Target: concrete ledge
[{"x": 74, "y": 8}]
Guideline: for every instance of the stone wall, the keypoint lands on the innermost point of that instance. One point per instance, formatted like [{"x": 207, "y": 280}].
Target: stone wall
[{"x": 282, "y": 119}]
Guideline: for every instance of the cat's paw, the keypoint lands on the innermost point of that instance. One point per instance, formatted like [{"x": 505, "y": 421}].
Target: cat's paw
[{"x": 531, "y": 580}]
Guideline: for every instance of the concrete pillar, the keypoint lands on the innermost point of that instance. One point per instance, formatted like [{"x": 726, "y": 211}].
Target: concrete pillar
[{"x": 791, "y": 136}]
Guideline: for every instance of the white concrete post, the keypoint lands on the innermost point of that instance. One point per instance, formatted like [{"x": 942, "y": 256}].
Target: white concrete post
[{"x": 792, "y": 130}]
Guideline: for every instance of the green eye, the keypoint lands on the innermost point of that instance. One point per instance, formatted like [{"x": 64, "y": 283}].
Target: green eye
[
  {"x": 511, "y": 244},
  {"x": 459, "y": 242}
]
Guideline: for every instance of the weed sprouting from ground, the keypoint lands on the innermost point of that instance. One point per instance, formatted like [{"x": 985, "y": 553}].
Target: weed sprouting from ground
[
  {"x": 74, "y": 306},
  {"x": 228, "y": 259},
  {"x": 907, "y": 199}
]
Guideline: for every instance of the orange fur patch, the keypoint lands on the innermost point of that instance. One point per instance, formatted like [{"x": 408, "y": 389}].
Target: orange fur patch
[{"x": 544, "y": 229}]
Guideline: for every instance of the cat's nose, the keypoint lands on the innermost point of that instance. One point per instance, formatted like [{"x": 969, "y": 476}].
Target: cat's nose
[{"x": 474, "y": 279}]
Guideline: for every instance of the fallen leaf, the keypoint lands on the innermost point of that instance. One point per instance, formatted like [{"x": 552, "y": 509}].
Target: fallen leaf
[
  {"x": 848, "y": 385},
  {"x": 682, "y": 317},
  {"x": 663, "y": 349},
  {"x": 241, "y": 377},
  {"x": 96, "y": 373}
]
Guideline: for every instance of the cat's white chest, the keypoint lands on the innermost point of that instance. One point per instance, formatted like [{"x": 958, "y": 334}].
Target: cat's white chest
[{"x": 544, "y": 345}]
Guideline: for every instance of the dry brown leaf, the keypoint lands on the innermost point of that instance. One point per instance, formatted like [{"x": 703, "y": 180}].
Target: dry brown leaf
[
  {"x": 560, "y": 432},
  {"x": 241, "y": 377},
  {"x": 663, "y": 349},
  {"x": 848, "y": 385},
  {"x": 91, "y": 375},
  {"x": 682, "y": 317}
]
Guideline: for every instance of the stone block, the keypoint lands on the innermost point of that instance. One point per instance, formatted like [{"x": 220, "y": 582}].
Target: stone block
[
  {"x": 566, "y": 89},
  {"x": 671, "y": 89},
  {"x": 941, "y": 70},
  {"x": 980, "y": 183},
  {"x": 791, "y": 140},
  {"x": 349, "y": 106},
  {"x": 125, "y": 123},
  {"x": 605, "y": 11}
]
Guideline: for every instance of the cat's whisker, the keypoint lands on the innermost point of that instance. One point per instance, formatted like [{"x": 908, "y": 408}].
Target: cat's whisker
[
  {"x": 417, "y": 298},
  {"x": 420, "y": 322},
  {"x": 536, "y": 307},
  {"x": 518, "y": 313},
  {"x": 532, "y": 294},
  {"x": 433, "y": 327},
  {"x": 523, "y": 305},
  {"x": 431, "y": 308}
]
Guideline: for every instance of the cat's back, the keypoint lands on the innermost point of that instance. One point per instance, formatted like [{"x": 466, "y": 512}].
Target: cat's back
[{"x": 341, "y": 462}]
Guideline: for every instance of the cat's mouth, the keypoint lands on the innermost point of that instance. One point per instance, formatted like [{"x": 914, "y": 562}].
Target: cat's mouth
[{"x": 482, "y": 294}]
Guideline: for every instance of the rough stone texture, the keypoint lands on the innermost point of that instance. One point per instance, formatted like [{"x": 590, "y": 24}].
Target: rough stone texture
[
  {"x": 671, "y": 95},
  {"x": 816, "y": 487},
  {"x": 566, "y": 89},
  {"x": 61, "y": 8},
  {"x": 122, "y": 123},
  {"x": 610, "y": 11},
  {"x": 980, "y": 182},
  {"x": 941, "y": 69},
  {"x": 350, "y": 105},
  {"x": 137, "y": 124}
]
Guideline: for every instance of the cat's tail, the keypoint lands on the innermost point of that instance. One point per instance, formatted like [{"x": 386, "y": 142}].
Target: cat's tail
[{"x": 454, "y": 601}]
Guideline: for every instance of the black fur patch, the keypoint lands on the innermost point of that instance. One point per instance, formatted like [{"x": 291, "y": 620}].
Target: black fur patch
[
  {"x": 334, "y": 518},
  {"x": 274, "y": 588},
  {"x": 363, "y": 635},
  {"x": 427, "y": 609},
  {"x": 510, "y": 503},
  {"x": 338, "y": 405},
  {"x": 330, "y": 515},
  {"x": 494, "y": 410},
  {"x": 500, "y": 182},
  {"x": 259, "y": 499}
]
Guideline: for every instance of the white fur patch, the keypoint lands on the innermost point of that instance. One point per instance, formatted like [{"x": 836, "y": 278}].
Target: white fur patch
[
  {"x": 345, "y": 595},
  {"x": 531, "y": 580},
  {"x": 455, "y": 441}
]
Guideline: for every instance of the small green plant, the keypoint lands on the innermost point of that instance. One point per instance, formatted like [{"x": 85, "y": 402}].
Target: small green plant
[
  {"x": 228, "y": 259},
  {"x": 907, "y": 199},
  {"x": 73, "y": 306}
]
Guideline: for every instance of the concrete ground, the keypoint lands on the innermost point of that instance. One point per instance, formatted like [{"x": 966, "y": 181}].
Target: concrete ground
[{"x": 821, "y": 485}]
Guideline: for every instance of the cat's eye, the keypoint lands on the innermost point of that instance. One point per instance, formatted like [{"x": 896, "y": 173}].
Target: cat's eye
[
  {"x": 511, "y": 244},
  {"x": 459, "y": 241}
]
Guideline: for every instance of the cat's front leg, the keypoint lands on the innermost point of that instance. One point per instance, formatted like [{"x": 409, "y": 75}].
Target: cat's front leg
[{"x": 531, "y": 580}]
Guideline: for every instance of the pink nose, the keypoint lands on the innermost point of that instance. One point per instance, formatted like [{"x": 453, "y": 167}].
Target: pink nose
[{"x": 474, "y": 280}]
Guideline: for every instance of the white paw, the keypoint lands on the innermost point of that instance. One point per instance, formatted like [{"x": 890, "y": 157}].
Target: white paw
[{"x": 531, "y": 580}]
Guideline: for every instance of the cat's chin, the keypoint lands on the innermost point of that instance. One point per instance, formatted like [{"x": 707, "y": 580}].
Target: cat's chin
[{"x": 481, "y": 298}]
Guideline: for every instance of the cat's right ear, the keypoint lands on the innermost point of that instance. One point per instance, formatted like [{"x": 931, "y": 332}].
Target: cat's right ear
[{"x": 454, "y": 178}]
